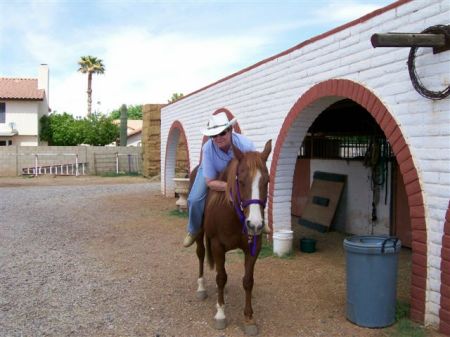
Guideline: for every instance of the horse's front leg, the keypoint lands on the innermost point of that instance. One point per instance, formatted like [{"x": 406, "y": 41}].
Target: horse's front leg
[
  {"x": 201, "y": 291},
  {"x": 221, "y": 280},
  {"x": 247, "y": 282}
]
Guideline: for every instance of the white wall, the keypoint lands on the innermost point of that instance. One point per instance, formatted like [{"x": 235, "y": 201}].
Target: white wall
[
  {"x": 271, "y": 89},
  {"x": 24, "y": 114}
]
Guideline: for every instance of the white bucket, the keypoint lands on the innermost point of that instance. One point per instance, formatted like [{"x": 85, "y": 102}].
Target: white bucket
[{"x": 282, "y": 242}]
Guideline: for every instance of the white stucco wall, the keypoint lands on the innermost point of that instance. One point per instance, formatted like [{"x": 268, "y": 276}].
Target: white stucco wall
[
  {"x": 25, "y": 116},
  {"x": 271, "y": 89}
]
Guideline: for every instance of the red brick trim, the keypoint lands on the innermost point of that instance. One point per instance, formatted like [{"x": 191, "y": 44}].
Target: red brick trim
[
  {"x": 365, "y": 98},
  {"x": 444, "y": 312},
  {"x": 176, "y": 125}
]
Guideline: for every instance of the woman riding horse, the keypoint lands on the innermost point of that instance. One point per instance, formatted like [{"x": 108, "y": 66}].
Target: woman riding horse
[
  {"x": 237, "y": 178},
  {"x": 217, "y": 153}
]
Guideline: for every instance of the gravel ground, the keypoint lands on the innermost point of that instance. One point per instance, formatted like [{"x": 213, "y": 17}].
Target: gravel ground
[{"x": 103, "y": 257}]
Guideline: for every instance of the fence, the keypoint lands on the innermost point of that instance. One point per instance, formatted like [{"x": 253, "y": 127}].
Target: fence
[
  {"x": 69, "y": 160},
  {"x": 121, "y": 162}
]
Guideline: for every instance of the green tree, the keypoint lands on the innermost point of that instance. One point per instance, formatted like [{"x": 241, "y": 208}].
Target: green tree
[
  {"x": 90, "y": 65},
  {"x": 134, "y": 112},
  {"x": 64, "y": 130},
  {"x": 100, "y": 130},
  {"x": 45, "y": 132},
  {"x": 175, "y": 97}
]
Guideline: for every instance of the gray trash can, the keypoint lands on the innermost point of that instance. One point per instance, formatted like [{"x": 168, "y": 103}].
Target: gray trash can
[{"x": 371, "y": 279}]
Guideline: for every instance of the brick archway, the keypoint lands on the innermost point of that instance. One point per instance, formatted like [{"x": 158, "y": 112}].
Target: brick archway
[
  {"x": 173, "y": 137},
  {"x": 359, "y": 94},
  {"x": 444, "y": 312}
]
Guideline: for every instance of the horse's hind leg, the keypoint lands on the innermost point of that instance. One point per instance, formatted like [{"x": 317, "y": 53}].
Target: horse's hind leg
[
  {"x": 201, "y": 291},
  {"x": 221, "y": 280}
]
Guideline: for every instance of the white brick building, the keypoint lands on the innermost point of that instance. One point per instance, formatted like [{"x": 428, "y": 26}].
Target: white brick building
[{"x": 281, "y": 98}]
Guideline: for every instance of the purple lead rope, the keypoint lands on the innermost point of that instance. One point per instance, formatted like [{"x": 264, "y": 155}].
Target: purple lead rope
[{"x": 241, "y": 216}]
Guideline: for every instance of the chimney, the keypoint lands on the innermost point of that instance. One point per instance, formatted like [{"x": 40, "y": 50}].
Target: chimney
[{"x": 43, "y": 79}]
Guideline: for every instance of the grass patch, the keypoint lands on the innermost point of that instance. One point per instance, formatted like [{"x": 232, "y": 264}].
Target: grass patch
[
  {"x": 266, "y": 249},
  {"x": 404, "y": 327},
  {"x": 179, "y": 214},
  {"x": 401, "y": 310}
]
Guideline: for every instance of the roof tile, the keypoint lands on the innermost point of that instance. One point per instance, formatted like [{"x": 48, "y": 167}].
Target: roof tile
[{"x": 20, "y": 88}]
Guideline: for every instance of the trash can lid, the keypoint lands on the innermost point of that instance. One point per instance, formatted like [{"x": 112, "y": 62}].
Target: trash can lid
[{"x": 372, "y": 244}]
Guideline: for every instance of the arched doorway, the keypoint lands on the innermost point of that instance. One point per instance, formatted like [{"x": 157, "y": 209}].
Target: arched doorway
[
  {"x": 295, "y": 127},
  {"x": 177, "y": 157}
]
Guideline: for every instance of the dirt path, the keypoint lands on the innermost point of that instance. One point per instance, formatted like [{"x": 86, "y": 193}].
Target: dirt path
[{"x": 103, "y": 257}]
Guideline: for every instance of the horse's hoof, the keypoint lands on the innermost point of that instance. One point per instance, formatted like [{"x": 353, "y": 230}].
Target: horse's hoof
[
  {"x": 251, "y": 329},
  {"x": 201, "y": 295},
  {"x": 220, "y": 324}
]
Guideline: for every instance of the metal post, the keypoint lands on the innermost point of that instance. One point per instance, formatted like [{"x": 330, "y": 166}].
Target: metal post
[
  {"x": 117, "y": 163},
  {"x": 129, "y": 163},
  {"x": 76, "y": 166},
  {"x": 36, "y": 165}
]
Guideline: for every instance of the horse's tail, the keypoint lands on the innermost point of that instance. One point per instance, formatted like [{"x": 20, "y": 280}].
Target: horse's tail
[{"x": 209, "y": 255}]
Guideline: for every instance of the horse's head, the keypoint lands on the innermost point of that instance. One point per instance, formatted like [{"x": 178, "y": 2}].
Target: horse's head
[{"x": 250, "y": 186}]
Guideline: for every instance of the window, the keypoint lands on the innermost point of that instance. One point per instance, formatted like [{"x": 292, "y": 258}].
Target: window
[
  {"x": 342, "y": 146},
  {"x": 2, "y": 112},
  {"x": 5, "y": 142}
]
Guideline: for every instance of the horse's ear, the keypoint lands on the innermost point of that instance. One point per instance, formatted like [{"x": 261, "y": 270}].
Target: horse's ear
[
  {"x": 267, "y": 150},
  {"x": 237, "y": 153}
]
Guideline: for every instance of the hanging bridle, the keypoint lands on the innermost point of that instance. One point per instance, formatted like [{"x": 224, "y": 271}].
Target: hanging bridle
[{"x": 240, "y": 206}]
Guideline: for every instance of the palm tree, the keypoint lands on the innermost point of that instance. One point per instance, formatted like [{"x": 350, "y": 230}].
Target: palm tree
[{"x": 90, "y": 65}]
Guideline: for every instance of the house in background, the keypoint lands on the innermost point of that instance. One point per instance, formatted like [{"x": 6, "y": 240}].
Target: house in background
[
  {"x": 23, "y": 101},
  {"x": 134, "y": 131}
]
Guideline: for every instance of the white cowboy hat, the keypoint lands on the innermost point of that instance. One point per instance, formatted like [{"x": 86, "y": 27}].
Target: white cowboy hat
[{"x": 217, "y": 124}]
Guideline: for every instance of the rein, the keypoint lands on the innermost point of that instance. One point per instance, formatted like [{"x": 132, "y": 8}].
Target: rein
[{"x": 240, "y": 206}]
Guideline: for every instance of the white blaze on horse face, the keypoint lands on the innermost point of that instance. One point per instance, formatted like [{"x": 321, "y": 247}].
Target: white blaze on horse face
[{"x": 254, "y": 216}]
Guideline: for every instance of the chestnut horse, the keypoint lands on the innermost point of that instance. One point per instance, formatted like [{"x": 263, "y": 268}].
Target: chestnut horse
[{"x": 235, "y": 219}]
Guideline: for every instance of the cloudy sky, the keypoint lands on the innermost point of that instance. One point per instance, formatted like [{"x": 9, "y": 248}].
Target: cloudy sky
[{"x": 152, "y": 49}]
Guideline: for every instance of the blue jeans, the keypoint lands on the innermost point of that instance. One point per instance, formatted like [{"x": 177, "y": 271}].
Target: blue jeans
[{"x": 196, "y": 202}]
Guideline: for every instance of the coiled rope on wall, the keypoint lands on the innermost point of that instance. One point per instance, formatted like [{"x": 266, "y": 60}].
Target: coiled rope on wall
[{"x": 418, "y": 85}]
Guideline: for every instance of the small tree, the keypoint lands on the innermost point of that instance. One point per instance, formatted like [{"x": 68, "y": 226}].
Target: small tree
[
  {"x": 175, "y": 97},
  {"x": 100, "y": 130},
  {"x": 133, "y": 112}
]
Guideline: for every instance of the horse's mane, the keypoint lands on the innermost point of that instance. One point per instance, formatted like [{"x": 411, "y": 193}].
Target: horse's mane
[{"x": 253, "y": 161}]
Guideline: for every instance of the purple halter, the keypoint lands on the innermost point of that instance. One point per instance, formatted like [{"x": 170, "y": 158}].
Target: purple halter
[{"x": 240, "y": 206}]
